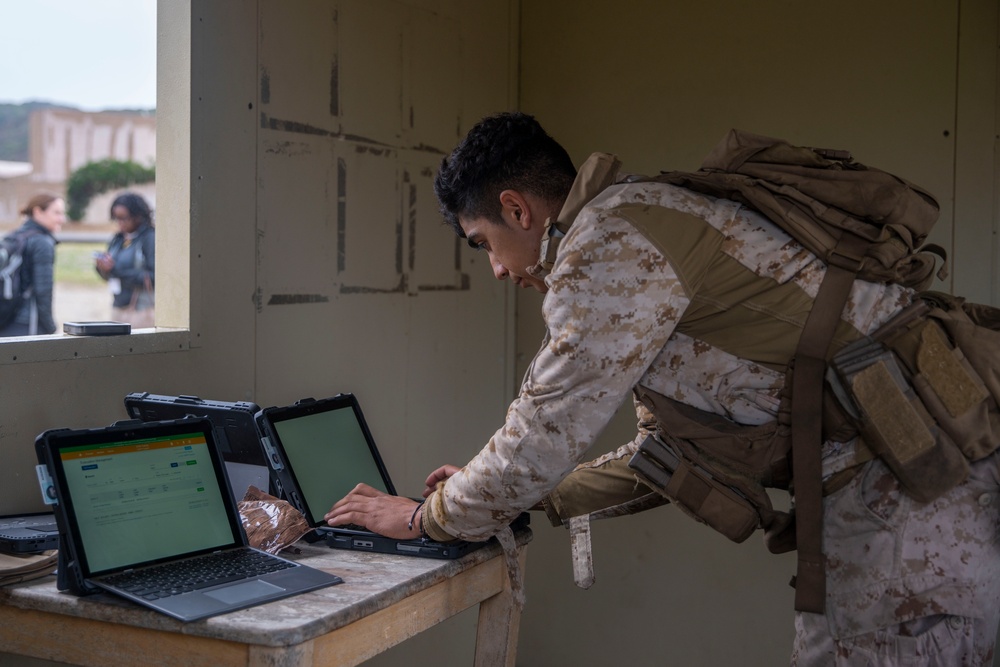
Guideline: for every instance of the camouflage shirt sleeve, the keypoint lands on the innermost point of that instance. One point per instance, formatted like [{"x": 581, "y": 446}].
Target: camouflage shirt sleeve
[
  {"x": 613, "y": 301},
  {"x": 606, "y": 486}
]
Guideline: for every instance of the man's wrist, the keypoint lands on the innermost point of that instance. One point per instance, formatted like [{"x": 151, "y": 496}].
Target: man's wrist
[
  {"x": 428, "y": 525},
  {"x": 416, "y": 522}
]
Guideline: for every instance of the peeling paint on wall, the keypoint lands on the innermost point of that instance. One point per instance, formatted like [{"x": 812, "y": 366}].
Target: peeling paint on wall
[
  {"x": 292, "y": 299},
  {"x": 365, "y": 163},
  {"x": 265, "y": 86},
  {"x": 361, "y": 289},
  {"x": 334, "y": 88},
  {"x": 269, "y": 123},
  {"x": 341, "y": 213},
  {"x": 289, "y": 148}
]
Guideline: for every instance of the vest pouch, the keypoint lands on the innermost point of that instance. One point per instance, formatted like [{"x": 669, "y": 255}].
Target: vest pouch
[
  {"x": 966, "y": 397},
  {"x": 955, "y": 395},
  {"x": 694, "y": 490},
  {"x": 949, "y": 385},
  {"x": 895, "y": 424},
  {"x": 974, "y": 329}
]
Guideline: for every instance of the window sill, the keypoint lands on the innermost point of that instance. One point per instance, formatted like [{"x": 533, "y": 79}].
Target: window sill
[{"x": 60, "y": 347}]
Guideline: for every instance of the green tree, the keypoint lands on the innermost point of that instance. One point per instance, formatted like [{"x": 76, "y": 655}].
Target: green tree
[{"x": 94, "y": 178}]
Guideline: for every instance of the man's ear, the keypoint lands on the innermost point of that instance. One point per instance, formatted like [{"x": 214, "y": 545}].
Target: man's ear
[{"x": 514, "y": 207}]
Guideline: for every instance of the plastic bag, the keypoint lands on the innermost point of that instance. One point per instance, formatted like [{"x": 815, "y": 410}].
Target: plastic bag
[{"x": 271, "y": 524}]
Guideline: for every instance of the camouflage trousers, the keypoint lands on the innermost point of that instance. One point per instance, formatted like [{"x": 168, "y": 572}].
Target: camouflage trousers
[{"x": 908, "y": 583}]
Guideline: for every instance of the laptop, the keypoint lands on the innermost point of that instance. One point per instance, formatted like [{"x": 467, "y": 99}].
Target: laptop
[
  {"x": 28, "y": 533},
  {"x": 320, "y": 450},
  {"x": 235, "y": 432},
  {"x": 145, "y": 511}
]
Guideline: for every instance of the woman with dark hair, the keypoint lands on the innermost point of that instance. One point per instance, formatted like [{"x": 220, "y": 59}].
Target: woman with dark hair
[
  {"x": 129, "y": 265},
  {"x": 45, "y": 215}
]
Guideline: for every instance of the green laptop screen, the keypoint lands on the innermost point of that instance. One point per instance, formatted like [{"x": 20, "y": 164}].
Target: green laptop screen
[{"x": 329, "y": 456}]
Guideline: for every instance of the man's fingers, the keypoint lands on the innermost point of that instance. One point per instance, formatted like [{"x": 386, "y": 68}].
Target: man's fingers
[
  {"x": 343, "y": 518},
  {"x": 381, "y": 513},
  {"x": 439, "y": 475},
  {"x": 365, "y": 490},
  {"x": 359, "y": 494}
]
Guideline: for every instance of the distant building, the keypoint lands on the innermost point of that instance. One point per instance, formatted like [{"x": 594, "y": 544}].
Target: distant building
[{"x": 62, "y": 140}]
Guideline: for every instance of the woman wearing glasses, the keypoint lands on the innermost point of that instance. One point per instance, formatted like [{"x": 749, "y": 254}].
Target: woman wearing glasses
[{"x": 130, "y": 261}]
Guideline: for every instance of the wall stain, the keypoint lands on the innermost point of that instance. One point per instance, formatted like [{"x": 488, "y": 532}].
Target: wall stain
[
  {"x": 424, "y": 148},
  {"x": 341, "y": 214},
  {"x": 265, "y": 86},
  {"x": 334, "y": 88},
  {"x": 463, "y": 286},
  {"x": 377, "y": 152},
  {"x": 335, "y": 70},
  {"x": 269, "y": 123},
  {"x": 400, "y": 288},
  {"x": 289, "y": 148},
  {"x": 282, "y": 125},
  {"x": 293, "y": 299}
]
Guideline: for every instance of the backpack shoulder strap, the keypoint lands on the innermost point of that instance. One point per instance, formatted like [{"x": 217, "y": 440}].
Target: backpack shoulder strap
[{"x": 807, "y": 404}]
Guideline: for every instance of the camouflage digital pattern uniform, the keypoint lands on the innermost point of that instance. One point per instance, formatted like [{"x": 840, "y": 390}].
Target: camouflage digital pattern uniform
[{"x": 615, "y": 298}]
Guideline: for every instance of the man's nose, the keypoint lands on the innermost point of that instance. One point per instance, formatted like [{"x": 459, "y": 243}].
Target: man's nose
[{"x": 499, "y": 270}]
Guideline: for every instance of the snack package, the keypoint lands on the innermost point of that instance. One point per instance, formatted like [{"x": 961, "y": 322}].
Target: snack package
[{"x": 271, "y": 524}]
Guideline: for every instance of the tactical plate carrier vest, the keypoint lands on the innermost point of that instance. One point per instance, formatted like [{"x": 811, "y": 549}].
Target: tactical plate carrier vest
[{"x": 921, "y": 392}]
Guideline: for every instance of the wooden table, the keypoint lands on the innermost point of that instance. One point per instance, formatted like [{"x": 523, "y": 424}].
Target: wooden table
[{"x": 384, "y": 600}]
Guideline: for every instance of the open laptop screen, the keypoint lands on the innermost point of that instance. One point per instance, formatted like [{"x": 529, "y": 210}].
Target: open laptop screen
[
  {"x": 329, "y": 452},
  {"x": 142, "y": 500}
]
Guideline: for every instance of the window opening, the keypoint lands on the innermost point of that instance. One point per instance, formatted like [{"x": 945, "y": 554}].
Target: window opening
[{"x": 78, "y": 120}]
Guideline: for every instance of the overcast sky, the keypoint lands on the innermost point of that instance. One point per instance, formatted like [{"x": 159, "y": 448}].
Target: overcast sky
[{"x": 89, "y": 54}]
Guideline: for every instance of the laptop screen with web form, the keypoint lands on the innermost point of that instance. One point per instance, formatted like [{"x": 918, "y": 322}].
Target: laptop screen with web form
[{"x": 144, "y": 500}]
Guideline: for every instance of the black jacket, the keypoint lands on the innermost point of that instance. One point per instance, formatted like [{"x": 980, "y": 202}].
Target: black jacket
[
  {"x": 38, "y": 274},
  {"x": 135, "y": 267}
]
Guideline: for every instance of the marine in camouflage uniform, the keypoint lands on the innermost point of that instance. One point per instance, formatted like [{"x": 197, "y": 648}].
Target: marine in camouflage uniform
[{"x": 908, "y": 583}]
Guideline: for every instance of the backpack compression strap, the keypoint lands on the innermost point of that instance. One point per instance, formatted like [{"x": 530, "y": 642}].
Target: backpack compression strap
[{"x": 807, "y": 410}]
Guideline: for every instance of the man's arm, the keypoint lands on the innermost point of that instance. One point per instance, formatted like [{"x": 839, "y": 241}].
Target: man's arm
[
  {"x": 606, "y": 484},
  {"x": 613, "y": 301}
]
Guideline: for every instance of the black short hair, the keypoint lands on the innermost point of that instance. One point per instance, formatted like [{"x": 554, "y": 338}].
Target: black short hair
[
  {"x": 136, "y": 205},
  {"x": 505, "y": 151}
]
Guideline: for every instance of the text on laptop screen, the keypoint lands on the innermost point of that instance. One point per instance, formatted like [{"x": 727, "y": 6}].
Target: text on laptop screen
[
  {"x": 141, "y": 500},
  {"x": 329, "y": 455}
]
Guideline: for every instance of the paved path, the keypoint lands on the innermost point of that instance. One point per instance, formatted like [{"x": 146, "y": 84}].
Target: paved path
[
  {"x": 73, "y": 303},
  {"x": 83, "y": 237}
]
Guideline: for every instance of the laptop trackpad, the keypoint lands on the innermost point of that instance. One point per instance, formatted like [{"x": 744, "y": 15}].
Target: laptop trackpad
[{"x": 250, "y": 590}]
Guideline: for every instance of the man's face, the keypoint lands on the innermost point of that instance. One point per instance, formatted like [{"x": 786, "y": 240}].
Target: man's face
[{"x": 512, "y": 247}]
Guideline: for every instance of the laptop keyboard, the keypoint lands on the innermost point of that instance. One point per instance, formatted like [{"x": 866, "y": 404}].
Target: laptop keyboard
[{"x": 169, "y": 579}]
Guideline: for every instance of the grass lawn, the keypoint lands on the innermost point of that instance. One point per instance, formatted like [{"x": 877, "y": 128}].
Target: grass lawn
[{"x": 75, "y": 264}]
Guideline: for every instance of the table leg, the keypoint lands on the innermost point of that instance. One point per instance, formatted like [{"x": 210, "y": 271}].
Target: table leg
[{"x": 499, "y": 624}]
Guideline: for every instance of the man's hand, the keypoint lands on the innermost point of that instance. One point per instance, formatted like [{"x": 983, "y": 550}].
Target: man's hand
[
  {"x": 377, "y": 511},
  {"x": 439, "y": 475}
]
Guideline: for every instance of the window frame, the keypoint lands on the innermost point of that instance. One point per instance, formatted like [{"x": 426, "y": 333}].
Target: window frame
[{"x": 173, "y": 243}]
